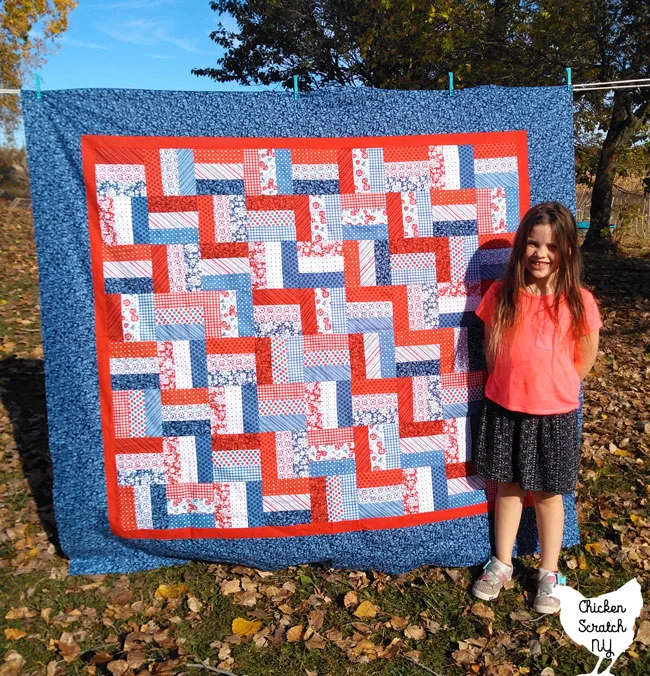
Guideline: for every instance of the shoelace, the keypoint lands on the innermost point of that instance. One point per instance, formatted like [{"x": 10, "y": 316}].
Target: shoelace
[
  {"x": 547, "y": 585},
  {"x": 491, "y": 575}
]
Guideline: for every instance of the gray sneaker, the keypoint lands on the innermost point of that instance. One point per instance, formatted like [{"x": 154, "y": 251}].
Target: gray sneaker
[
  {"x": 545, "y": 602},
  {"x": 495, "y": 574}
]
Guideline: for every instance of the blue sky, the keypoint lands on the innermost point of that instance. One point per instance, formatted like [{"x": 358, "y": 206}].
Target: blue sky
[{"x": 144, "y": 44}]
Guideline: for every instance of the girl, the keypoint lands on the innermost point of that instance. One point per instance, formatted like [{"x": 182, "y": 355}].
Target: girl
[{"x": 541, "y": 336}]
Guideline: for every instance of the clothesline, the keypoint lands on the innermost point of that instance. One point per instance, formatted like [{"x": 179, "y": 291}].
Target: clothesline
[
  {"x": 581, "y": 87},
  {"x": 613, "y": 84}
]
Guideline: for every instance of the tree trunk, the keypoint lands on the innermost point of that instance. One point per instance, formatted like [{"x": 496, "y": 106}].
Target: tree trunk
[
  {"x": 601, "y": 196},
  {"x": 623, "y": 124}
]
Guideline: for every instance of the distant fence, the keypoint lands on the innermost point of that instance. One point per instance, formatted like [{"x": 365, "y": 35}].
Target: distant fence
[
  {"x": 630, "y": 210},
  {"x": 16, "y": 202},
  {"x": 20, "y": 203}
]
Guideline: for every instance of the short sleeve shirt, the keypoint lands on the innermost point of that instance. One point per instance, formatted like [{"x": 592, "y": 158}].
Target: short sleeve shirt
[{"x": 537, "y": 374}]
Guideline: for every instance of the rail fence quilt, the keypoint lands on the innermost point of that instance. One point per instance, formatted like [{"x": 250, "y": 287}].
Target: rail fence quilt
[{"x": 259, "y": 329}]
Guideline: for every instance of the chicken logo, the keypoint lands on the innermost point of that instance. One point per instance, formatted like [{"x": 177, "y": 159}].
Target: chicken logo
[{"x": 605, "y": 624}]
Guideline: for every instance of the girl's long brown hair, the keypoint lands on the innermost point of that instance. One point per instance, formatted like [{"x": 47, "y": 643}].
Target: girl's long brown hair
[{"x": 567, "y": 281}]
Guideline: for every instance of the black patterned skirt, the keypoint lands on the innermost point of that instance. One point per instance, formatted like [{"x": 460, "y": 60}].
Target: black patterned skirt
[{"x": 540, "y": 452}]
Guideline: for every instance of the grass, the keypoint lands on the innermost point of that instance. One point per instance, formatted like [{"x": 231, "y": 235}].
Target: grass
[{"x": 99, "y": 615}]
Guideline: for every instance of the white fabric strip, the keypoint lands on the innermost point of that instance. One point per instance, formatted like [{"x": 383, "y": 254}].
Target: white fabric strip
[
  {"x": 285, "y": 503},
  {"x": 328, "y": 404},
  {"x": 216, "y": 172},
  {"x": 173, "y": 220},
  {"x": 238, "y": 504},
  {"x": 225, "y": 266},
  {"x": 453, "y": 212},
  {"x": 434, "y": 442},
  {"x": 495, "y": 165},
  {"x": 187, "y": 452},
  {"x": 234, "y": 411},
  {"x": 373, "y": 355},
  {"x": 185, "y": 412},
  {"x": 123, "y": 269},
  {"x": 273, "y": 257},
  {"x": 320, "y": 264},
  {"x": 143, "y": 516},
  {"x": 309, "y": 172},
  {"x": 182, "y": 364},
  {"x": 452, "y": 167},
  {"x": 123, "y": 219},
  {"x": 367, "y": 268},
  {"x": 130, "y": 461},
  {"x": 404, "y": 353},
  {"x": 424, "y": 487},
  {"x": 465, "y": 484},
  {"x": 129, "y": 365}
]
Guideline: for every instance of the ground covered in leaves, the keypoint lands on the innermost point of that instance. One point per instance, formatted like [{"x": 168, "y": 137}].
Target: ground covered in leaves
[{"x": 210, "y": 618}]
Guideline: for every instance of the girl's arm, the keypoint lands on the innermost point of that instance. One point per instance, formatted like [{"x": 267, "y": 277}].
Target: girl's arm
[{"x": 585, "y": 353}]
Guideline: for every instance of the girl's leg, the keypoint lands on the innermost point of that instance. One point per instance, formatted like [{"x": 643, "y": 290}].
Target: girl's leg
[
  {"x": 508, "y": 506},
  {"x": 549, "y": 510}
]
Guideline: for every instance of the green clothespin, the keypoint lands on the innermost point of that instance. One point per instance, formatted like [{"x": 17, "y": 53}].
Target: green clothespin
[
  {"x": 295, "y": 87},
  {"x": 451, "y": 84},
  {"x": 37, "y": 79},
  {"x": 568, "y": 79}
]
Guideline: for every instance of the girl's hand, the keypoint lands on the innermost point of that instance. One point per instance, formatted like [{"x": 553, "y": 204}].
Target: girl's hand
[{"x": 585, "y": 353}]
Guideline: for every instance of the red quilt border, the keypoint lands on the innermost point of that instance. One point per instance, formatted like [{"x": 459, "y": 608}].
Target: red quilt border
[{"x": 90, "y": 145}]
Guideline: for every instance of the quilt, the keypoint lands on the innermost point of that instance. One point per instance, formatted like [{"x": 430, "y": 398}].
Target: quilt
[{"x": 282, "y": 331}]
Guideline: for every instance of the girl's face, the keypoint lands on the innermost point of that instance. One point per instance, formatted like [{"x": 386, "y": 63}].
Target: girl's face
[{"x": 541, "y": 257}]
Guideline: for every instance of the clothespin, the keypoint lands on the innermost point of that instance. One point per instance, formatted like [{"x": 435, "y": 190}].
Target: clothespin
[
  {"x": 295, "y": 87},
  {"x": 37, "y": 79},
  {"x": 451, "y": 83},
  {"x": 568, "y": 79}
]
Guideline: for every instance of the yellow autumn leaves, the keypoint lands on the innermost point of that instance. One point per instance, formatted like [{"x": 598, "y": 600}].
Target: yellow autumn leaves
[
  {"x": 366, "y": 609},
  {"x": 243, "y": 627},
  {"x": 171, "y": 591}
]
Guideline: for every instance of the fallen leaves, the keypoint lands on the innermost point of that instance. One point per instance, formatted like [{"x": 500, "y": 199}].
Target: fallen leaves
[
  {"x": 399, "y": 623},
  {"x": 243, "y": 627},
  {"x": 366, "y": 609},
  {"x": 643, "y": 633},
  {"x": 294, "y": 634},
  {"x": 20, "y": 613},
  {"x": 101, "y": 657},
  {"x": 229, "y": 587},
  {"x": 350, "y": 599},
  {"x": 13, "y": 664},
  {"x": 117, "y": 625},
  {"x": 521, "y": 616},
  {"x": 481, "y": 610},
  {"x": 414, "y": 631},
  {"x": 171, "y": 591},
  {"x": 316, "y": 618},
  {"x": 313, "y": 640},
  {"x": 67, "y": 646},
  {"x": 194, "y": 604},
  {"x": 12, "y": 634},
  {"x": 366, "y": 648},
  {"x": 118, "y": 667}
]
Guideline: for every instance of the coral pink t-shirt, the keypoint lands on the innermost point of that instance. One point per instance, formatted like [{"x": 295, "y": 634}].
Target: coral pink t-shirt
[{"x": 537, "y": 375}]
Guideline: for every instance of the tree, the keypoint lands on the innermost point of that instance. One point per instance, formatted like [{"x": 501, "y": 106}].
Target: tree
[
  {"x": 333, "y": 42},
  {"x": 27, "y": 28},
  {"x": 412, "y": 44},
  {"x": 620, "y": 48}
]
